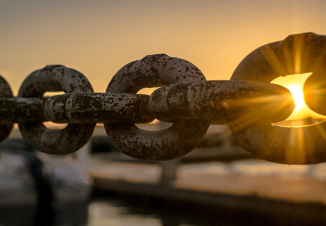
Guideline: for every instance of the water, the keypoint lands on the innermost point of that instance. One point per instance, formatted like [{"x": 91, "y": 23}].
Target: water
[
  {"x": 118, "y": 212},
  {"x": 112, "y": 211},
  {"x": 106, "y": 212},
  {"x": 127, "y": 211}
]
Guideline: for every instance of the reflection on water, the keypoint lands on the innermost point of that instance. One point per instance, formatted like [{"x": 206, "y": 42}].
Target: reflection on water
[
  {"x": 103, "y": 213},
  {"x": 113, "y": 212},
  {"x": 244, "y": 177}
]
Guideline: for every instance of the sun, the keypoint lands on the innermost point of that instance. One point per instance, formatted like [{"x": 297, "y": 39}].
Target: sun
[
  {"x": 295, "y": 84},
  {"x": 297, "y": 94}
]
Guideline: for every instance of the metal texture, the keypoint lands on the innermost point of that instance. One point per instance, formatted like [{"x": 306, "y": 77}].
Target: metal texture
[
  {"x": 5, "y": 91},
  {"x": 98, "y": 108},
  {"x": 290, "y": 145},
  {"x": 55, "y": 78},
  {"x": 217, "y": 99},
  {"x": 314, "y": 89},
  {"x": 22, "y": 110},
  {"x": 247, "y": 103},
  {"x": 171, "y": 143}
]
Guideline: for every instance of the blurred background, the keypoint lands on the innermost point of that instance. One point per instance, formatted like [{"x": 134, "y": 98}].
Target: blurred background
[{"x": 99, "y": 37}]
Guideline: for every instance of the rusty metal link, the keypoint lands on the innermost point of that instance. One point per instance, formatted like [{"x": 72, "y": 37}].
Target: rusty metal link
[
  {"x": 299, "y": 53},
  {"x": 74, "y": 136},
  {"x": 217, "y": 99},
  {"x": 247, "y": 103},
  {"x": 5, "y": 91},
  {"x": 98, "y": 108},
  {"x": 176, "y": 141},
  {"x": 22, "y": 110},
  {"x": 186, "y": 99},
  {"x": 315, "y": 85}
]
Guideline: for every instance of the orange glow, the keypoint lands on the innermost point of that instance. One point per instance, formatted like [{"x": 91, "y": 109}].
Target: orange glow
[
  {"x": 295, "y": 84},
  {"x": 297, "y": 93}
]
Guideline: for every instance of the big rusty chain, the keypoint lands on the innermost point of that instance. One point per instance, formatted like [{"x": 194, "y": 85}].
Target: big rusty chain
[{"x": 247, "y": 103}]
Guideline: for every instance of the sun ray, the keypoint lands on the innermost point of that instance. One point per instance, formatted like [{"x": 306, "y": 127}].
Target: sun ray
[
  {"x": 247, "y": 119},
  {"x": 295, "y": 84}
]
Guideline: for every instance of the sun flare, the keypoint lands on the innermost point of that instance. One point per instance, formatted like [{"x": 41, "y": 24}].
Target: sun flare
[
  {"x": 295, "y": 84},
  {"x": 297, "y": 94}
]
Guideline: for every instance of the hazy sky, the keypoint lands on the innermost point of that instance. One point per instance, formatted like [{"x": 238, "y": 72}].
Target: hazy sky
[{"x": 99, "y": 37}]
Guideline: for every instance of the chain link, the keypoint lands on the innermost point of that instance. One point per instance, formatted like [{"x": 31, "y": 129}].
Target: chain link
[
  {"x": 217, "y": 99},
  {"x": 176, "y": 141},
  {"x": 111, "y": 108},
  {"x": 74, "y": 136},
  {"x": 22, "y": 110},
  {"x": 288, "y": 145},
  {"x": 247, "y": 103},
  {"x": 5, "y": 127}
]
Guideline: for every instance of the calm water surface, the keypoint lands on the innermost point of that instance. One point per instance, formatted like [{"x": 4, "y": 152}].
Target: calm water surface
[
  {"x": 109, "y": 213},
  {"x": 114, "y": 212}
]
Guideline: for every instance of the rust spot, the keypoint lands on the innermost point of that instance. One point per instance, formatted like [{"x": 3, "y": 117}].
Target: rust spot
[
  {"x": 275, "y": 143},
  {"x": 73, "y": 137},
  {"x": 148, "y": 72}
]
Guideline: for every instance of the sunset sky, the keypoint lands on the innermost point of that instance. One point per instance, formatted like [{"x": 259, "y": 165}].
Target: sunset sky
[{"x": 99, "y": 37}]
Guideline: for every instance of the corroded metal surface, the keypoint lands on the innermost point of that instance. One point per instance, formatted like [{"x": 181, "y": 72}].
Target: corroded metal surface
[
  {"x": 153, "y": 71},
  {"x": 98, "y": 108},
  {"x": 186, "y": 99},
  {"x": 299, "y": 53},
  {"x": 281, "y": 144},
  {"x": 174, "y": 142},
  {"x": 22, "y": 110},
  {"x": 217, "y": 99},
  {"x": 55, "y": 78},
  {"x": 182, "y": 136},
  {"x": 5, "y": 91}
]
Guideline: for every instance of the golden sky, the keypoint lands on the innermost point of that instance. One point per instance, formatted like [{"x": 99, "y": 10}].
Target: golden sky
[{"x": 99, "y": 37}]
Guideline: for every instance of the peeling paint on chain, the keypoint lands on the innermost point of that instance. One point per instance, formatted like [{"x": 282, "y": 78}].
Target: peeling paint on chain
[
  {"x": 55, "y": 78},
  {"x": 218, "y": 99},
  {"x": 289, "y": 145},
  {"x": 98, "y": 108},
  {"x": 171, "y": 143},
  {"x": 5, "y": 91}
]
